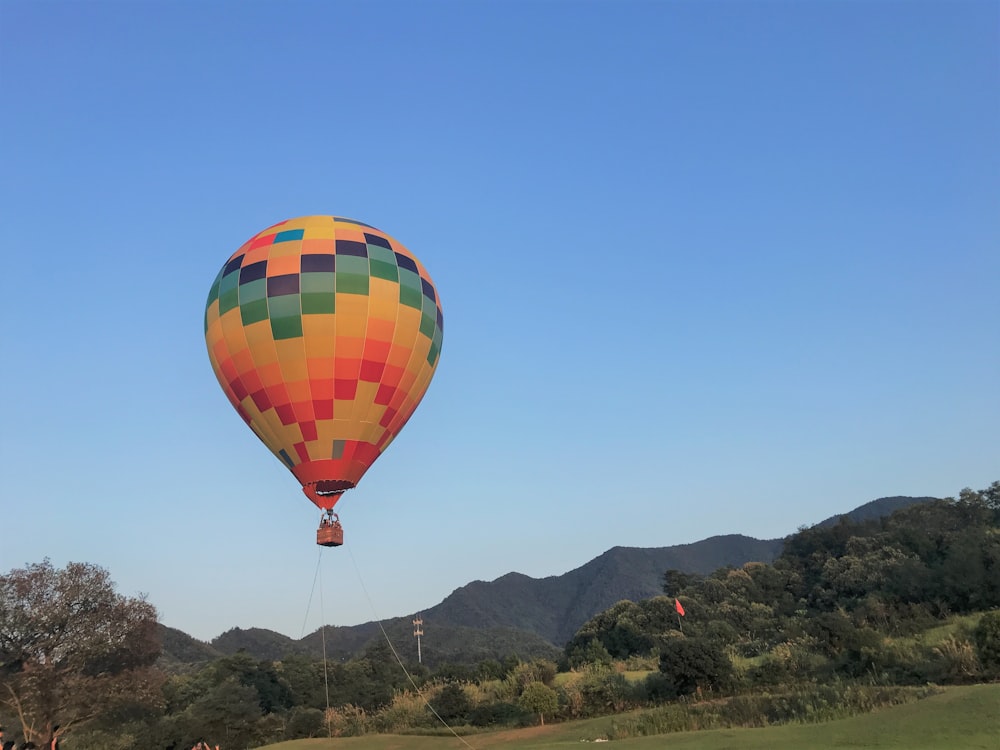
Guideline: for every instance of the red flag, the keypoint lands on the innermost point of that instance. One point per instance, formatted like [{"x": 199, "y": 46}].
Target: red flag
[{"x": 678, "y": 607}]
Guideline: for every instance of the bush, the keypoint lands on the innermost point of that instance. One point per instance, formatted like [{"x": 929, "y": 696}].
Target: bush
[
  {"x": 955, "y": 661},
  {"x": 347, "y": 721},
  {"x": 696, "y": 663},
  {"x": 607, "y": 692},
  {"x": 901, "y": 663},
  {"x": 305, "y": 722},
  {"x": 407, "y": 710},
  {"x": 589, "y": 652},
  {"x": 452, "y": 703},
  {"x": 658, "y": 688},
  {"x": 987, "y": 638},
  {"x": 499, "y": 714}
]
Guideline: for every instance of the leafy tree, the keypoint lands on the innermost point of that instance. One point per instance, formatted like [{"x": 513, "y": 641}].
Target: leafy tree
[
  {"x": 540, "y": 699},
  {"x": 623, "y": 629},
  {"x": 368, "y": 682},
  {"x": 73, "y": 650},
  {"x": 227, "y": 714},
  {"x": 273, "y": 693},
  {"x": 694, "y": 663},
  {"x": 304, "y": 678},
  {"x": 452, "y": 703},
  {"x": 991, "y": 499},
  {"x": 455, "y": 672},
  {"x": 490, "y": 669},
  {"x": 605, "y": 692},
  {"x": 305, "y": 722},
  {"x": 658, "y": 687},
  {"x": 987, "y": 636},
  {"x": 675, "y": 582},
  {"x": 590, "y": 652},
  {"x": 539, "y": 670}
]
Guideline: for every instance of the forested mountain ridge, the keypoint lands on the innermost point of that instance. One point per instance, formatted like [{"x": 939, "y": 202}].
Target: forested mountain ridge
[
  {"x": 516, "y": 613},
  {"x": 884, "y": 506},
  {"x": 556, "y": 606}
]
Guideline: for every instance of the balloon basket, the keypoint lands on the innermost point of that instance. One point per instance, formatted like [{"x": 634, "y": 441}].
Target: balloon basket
[{"x": 330, "y": 533}]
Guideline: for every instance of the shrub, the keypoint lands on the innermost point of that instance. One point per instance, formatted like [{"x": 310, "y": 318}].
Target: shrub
[
  {"x": 452, "y": 703},
  {"x": 305, "y": 722},
  {"x": 589, "y": 652},
  {"x": 955, "y": 661},
  {"x": 901, "y": 663},
  {"x": 694, "y": 663},
  {"x": 658, "y": 688},
  {"x": 347, "y": 721},
  {"x": 407, "y": 710},
  {"x": 499, "y": 714},
  {"x": 607, "y": 692},
  {"x": 987, "y": 638}
]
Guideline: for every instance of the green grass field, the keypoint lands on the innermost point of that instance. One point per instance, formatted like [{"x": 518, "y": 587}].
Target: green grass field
[{"x": 960, "y": 718}]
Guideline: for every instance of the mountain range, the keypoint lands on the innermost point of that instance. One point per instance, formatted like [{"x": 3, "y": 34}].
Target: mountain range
[{"x": 514, "y": 614}]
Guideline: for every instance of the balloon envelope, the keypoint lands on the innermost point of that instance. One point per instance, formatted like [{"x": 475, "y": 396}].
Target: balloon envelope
[{"x": 324, "y": 334}]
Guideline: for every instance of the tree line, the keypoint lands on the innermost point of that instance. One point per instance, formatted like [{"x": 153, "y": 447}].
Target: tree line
[{"x": 849, "y": 614}]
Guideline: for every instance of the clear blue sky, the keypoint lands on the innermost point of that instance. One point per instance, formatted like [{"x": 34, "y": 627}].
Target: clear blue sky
[{"x": 706, "y": 268}]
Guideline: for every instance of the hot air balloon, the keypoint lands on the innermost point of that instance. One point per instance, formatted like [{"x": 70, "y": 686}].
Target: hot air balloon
[{"x": 324, "y": 333}]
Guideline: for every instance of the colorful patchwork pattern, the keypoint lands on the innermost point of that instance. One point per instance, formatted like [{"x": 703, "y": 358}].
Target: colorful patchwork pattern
[{"x": 324, "y": 333}]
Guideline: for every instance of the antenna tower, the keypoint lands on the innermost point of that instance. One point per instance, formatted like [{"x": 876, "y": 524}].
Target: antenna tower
[{"x": 418, "y": 630}]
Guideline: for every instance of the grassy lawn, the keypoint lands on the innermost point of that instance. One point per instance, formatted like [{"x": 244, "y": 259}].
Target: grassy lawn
[{"x": 960, "y": 717}]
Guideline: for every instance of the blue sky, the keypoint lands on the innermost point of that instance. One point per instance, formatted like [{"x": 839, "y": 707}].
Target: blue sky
[{"x": 706, "y": 268}]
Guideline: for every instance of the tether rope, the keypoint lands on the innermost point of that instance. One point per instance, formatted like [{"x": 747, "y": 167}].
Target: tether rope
[
  {"x": 395, "y": 654},
  {"x": 322, "y": 630},
  {"x": 305, "y": 620},
  {"x": 322, "y": 621}
]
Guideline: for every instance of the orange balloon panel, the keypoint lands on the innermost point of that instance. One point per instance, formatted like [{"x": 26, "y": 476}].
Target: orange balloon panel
[{"x": 324, "y": 333}]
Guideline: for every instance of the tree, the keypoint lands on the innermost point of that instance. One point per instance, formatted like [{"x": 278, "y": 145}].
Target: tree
[
  {"x": 675, "y": 581},
  {"x": 72, "y": 650},
  {"x": 304, "y": 678},
  {"x": 226, "y": 714},
  {"x": 621, "y": 629},
  {"x": 539, "y": 699},
  {"x": 591, "y": 651},
  {"x": 987, "y": 635},
  {"x": 694, "y": 663},
  {"x": 452, "y": 703}
]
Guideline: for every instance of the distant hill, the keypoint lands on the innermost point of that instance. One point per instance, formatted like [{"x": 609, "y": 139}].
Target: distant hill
[
  {"x": 442, "y": 642},
  {"x": 261, "y": 643},
  {"x": 530, "y": 617},
  {"x": 884, "y": 506},
  {"x": 555, "y": 607},
  {"x": 181, "y": 650}
]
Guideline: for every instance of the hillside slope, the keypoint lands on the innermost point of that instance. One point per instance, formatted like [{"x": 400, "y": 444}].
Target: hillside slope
[{"x": 556, "y": 607}]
